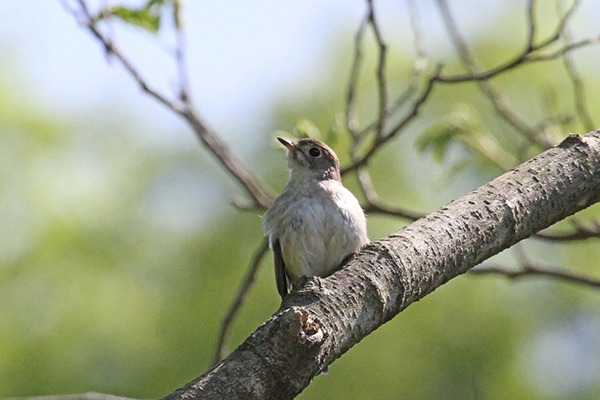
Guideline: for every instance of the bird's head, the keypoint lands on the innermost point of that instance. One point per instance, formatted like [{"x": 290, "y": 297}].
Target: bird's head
[{"x": 310, "y": 158}]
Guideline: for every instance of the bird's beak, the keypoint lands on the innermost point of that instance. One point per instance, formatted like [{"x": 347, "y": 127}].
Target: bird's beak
[{"x": 287, "y": 143}]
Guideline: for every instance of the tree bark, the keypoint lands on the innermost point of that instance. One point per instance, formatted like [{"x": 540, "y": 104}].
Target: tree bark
[{"x": 324, "y": 317}]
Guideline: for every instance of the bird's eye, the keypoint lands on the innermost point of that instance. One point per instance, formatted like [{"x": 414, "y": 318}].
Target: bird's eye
[{"x": 314, "y": 152}]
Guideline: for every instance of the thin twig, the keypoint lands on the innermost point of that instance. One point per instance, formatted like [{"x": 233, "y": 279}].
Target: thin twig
[
  {"x": 184, "y": 85},
  {"x": 239, "y": 300},
  {"x": 531, "y": 25},
  {"x": 183, "y": 107},
  {"x": 577, "y": 82},
  {"x": 381, "y": 208},
  {"x": 374, "y": 205},
  {"x": 382, "y": 136},
  {"x": 253, "y": 186},
  {"x": 517, "y": 61},
  {"x": 533, "y": 271},
  {"x": 565, "y": 49},
  {"x": 419, "y": 65},
  {"x": 528, "y": 54},
  {"x": 381, "y": 79},
  {"x": 379, "y": 122},
  {"x": 87, "y": 21},
  {"x": 591, "y": 229},
  {"x": 409, "y": 117},
  {"x": 110, "y": 36},
  {"x": 351, "y": 122},
  {"x": 528, "y": 268},
  {"x": 580, "y": 234},
  {"x": 560, "y": 28},
  {"x": 415, "y": 26},
  {"x": 498, "y": 100}
]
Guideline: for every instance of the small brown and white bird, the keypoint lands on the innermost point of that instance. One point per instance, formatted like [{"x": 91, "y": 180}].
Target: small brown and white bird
[{"x": 316, "y": 222}]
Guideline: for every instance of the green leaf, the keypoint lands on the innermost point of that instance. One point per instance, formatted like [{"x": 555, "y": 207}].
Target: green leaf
[
  {"x": 306, "y": 129},
  {"x": 460, "y": 126},
  {"x": 463, "y": 126},
  {"x": 146, "y": 17}
]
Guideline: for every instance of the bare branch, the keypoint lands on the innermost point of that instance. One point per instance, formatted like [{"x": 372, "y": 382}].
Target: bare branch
[
  {"x": 380, "y": 208},
  {"x": 86, "y": 20},
  {"x": 498, "y": 100},
  {"x": 381, "y": 79},
  {"x": 373, "y": 203},
  {"x": 253, "y": 185},
  {"x": 578, "y": 92},
  {"x": 528, "y": 55},
  {"x": 531, "y": 53},
  {"x": 260, "y": 252},
  {"x": 560, "y": 29},
  {"x": 379, "y": 122},
  {"x": 528, "y": 269},
  {"x": 184, "y": 86},
  {"x": 351, "y": 122},
  {"x": 382, "y": 136},
  {"x": 517, "y": 61},
  {"x": 578, "y": 87},
  {"x": 531, "y": 25},
  {"x": 418, "y": 68},
  {"x": 413, "y": 12},
  {"x": 535, "y": 271},
  {"x": 565, "y": 49},
  {"x": 419, "y": 65},
  {"x": 182, "y": 106},
  {"x": 409, "y": 117}
]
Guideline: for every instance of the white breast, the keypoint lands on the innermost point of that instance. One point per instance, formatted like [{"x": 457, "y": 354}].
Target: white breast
[{"x": 317, "y": 229}]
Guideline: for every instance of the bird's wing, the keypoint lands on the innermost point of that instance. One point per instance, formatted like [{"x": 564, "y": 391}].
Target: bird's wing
[{"x": 280, "y": 277}]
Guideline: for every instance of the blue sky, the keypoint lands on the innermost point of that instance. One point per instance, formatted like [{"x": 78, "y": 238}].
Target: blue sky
[{"x": 240, "y": 53}]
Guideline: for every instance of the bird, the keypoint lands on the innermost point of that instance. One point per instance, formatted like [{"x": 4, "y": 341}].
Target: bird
[{"x": 315, "y": 223}]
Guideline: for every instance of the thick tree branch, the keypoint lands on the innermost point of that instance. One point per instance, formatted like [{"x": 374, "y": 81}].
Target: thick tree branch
[{"x": 323, "y": 318}]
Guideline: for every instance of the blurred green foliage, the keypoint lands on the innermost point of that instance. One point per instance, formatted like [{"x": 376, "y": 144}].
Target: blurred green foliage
[
  {"x": 146, "y": 17},
  {"x": 105, "y": 287}
]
